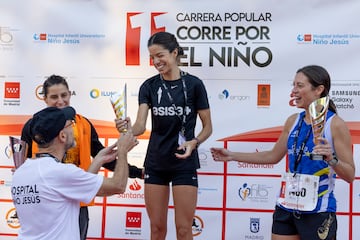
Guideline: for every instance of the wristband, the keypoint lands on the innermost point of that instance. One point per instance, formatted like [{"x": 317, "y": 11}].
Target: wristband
[
  {"x": 334, "y": 161},
  {"x": 197, "y": 142}
]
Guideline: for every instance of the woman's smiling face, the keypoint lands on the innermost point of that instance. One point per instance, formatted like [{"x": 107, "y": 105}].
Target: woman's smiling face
[
  {"x": 163, "y": 60},
  {"x": 303, "y": 92}
]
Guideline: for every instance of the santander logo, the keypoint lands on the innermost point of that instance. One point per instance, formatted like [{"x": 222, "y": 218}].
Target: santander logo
[{"x": 135, "y": 186}]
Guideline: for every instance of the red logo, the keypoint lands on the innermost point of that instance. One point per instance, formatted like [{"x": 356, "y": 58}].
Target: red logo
[
  {"x": 12, "y": 90},
  {"x": 133, "y": 33},
  {"x": 133, "y": 219},
  {"x": 307, "y": 37},
  {"x": 42, "y": 36},
  {"x": 263, "y": 97},
  {"x": 135, "y": 186}
]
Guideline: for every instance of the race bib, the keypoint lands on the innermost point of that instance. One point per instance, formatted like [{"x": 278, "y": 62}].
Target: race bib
[{"x": 299, "y": 192}]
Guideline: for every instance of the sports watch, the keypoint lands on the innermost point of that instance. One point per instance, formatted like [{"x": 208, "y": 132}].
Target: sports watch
[{"x": 334, "y": 161}]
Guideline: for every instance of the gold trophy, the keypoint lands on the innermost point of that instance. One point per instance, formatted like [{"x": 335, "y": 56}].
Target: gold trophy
[
  {"x": 318, "y": 110},
  {"x": 19, "y": 150},
  {"x": 119, "y": 104}
]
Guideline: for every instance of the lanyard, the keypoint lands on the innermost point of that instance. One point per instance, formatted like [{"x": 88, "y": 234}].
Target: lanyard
[
  {"x": 39, "y": 155},
  {"x": 183, "y": 117},
  {"x": 299, "y": 155}
]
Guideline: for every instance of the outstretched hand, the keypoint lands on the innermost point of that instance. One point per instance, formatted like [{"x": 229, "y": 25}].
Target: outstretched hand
[
  {"x": 221, "y": 154},
  {"x": 107, "y": 154},
  {"x": 126, "y": 142}
]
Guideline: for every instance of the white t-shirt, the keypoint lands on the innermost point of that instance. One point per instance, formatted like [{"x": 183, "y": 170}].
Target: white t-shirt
[{"x": 47, "y": 195}]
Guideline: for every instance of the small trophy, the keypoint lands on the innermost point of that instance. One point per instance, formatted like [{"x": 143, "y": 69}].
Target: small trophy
[
  {"x": 19, "y": 150},
  {"x": 119, "y": 104},
  {"x": 318, "y": 110}
]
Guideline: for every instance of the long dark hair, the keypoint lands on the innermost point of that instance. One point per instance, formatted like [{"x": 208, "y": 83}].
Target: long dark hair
[
  {"x": 167, "y": 40},
  {"x": 317, "y": 76}
]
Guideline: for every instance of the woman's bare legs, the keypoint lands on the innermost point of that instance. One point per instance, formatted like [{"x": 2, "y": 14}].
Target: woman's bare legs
[
  {"x": 156, "y": 202},
  {"x": 185, "y": 199}
]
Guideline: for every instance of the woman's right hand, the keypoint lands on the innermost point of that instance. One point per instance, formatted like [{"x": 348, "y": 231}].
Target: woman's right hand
[
  {"x": 221, "y": 154},
  {"x": 123, "y": 125}
]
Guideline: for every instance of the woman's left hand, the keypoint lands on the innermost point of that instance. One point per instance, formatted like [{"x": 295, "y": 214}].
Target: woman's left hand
[
  {"x": 323, "y": 148},
  {"x": 187, "y": 147}
]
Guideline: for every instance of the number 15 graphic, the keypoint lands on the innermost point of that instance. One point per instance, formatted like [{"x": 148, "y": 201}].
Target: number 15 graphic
[{"x": 133, "y": 33}]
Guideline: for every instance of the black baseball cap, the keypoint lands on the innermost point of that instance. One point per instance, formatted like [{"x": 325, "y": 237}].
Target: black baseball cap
[{"x": 47, "y": 123}]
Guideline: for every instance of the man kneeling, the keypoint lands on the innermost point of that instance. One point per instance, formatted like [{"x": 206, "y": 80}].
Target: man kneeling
[{"x": 47, "y": 193}]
